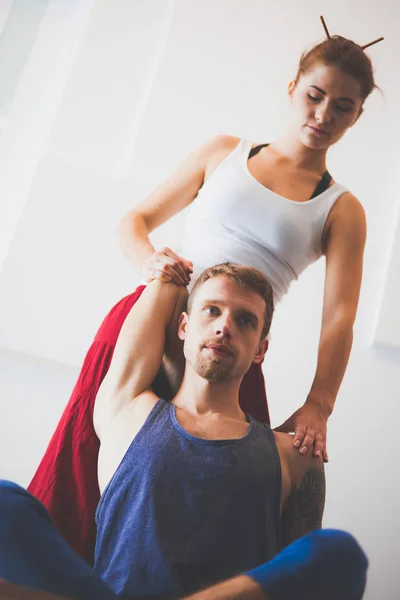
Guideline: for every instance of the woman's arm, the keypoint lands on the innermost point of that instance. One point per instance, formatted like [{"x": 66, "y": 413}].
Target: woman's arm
[
  {"x": 344, "y": 250},
  {"x": 168, "y": 199}
]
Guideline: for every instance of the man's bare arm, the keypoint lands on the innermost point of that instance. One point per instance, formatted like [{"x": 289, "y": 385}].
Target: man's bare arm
[
  {"x": 303, "y": 510},
  {"x": 139, "y": 350}
]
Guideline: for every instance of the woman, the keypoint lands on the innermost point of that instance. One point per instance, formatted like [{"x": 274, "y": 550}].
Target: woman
[{"x": 274, "y": 207}]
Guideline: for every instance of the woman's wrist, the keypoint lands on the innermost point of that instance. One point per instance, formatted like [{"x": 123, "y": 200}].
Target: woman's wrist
[{"x": 323, "y": 402}]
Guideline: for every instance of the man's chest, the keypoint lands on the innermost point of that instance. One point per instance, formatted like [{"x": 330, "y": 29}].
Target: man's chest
[{"x": 212, "y": 428}]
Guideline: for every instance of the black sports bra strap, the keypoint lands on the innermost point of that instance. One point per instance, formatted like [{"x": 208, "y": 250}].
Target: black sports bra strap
[
  {"x": 257, "y": 149},
  {"x": 323, "y": 184}
]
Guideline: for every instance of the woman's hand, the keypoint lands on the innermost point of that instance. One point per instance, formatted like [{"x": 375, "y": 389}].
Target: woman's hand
[
  {"x": 167, "y": 266},
  {"x": 309, "y": 426}
]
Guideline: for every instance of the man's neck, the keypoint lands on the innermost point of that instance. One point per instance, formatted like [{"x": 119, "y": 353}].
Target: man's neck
[{"x": 203, "y": 398}]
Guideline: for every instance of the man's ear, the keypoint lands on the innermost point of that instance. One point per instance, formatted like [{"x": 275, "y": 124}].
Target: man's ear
[
  {"x": 182, "y": 325},
  {"x": 261, "y": 351}
]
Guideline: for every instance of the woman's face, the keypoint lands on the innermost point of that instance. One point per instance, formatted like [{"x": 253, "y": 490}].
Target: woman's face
[{"x": 325, "y": 103}]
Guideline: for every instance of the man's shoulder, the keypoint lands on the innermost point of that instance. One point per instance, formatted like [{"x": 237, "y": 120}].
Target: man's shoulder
[
  {"x": 296, "y": 467},
  {"x": 288, "y": 452},
  {"x": 303, "y": 490}
]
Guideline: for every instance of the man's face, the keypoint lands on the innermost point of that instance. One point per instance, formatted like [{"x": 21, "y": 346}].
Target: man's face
[{"x": 222, "y": 333}]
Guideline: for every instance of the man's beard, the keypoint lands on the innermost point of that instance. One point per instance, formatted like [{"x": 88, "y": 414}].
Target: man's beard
[{"x": 214, "y": 369}]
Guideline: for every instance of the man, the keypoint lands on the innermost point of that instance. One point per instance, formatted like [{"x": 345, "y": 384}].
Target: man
[{"x": 175, "y": 476}]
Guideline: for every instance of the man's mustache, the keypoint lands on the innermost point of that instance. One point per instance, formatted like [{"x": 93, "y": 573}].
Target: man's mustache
[{"x": 221, "y": 345}]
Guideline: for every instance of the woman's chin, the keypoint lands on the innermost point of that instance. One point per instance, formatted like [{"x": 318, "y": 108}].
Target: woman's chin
[{"x": 314, "y": 142}]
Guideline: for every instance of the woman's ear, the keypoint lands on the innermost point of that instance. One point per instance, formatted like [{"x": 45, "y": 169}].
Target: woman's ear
[
  {"x": 182, "y": 325},
  {"x": 360, "y": 112},
  {"x": 291, "y": 87}
]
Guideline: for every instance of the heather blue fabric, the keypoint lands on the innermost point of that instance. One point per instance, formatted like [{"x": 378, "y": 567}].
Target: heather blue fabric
[
  {"x": 326, "y": 564},
  {"x": 182, "y": 513},
  {"x": 33, "y": 553}
]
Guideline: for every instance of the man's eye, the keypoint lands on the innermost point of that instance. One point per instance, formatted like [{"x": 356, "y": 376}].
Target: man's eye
[
  {"x": 246, "y": 321},
  {"x": 212, "y": 310}
]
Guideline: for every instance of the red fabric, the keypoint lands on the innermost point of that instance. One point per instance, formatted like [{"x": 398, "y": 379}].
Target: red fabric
[{"x": 66, "y": 479}]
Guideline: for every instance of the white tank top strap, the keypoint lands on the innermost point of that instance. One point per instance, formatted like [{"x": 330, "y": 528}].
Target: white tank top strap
[{"x": 245, "y": 147}]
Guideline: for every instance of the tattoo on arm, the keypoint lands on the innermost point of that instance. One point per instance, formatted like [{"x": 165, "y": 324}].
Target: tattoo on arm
[{"x": 303, "y": 510}]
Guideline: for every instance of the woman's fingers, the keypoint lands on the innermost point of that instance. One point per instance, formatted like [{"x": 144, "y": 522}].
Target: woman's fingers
[
  {"x": 165, "y": 273},
  {"x": 167, "y": 266},
  {"x": 175, "y": 263},
  {"x": 186, "y": 265},
  {"x": 162, "y": 277},
  {"x": 315, "y": 442},
  {"x": 318, "y": 445},
  {"x": 308, "y": 441},
  {"x": 169, "y": 252},
  {"x": 299, "y": 436}
]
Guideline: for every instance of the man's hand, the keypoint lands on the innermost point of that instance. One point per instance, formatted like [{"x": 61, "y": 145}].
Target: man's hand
[{"x": 308, "y": 424}]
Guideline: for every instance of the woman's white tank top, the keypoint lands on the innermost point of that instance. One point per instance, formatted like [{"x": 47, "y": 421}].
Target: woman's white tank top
[{"x": 235, "y": 218}]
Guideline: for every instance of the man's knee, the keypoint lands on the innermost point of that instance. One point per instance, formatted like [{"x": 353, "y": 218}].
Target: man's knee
[
  {"x": 341, "y": 544},
  {"x": 16, "y": 504},
  {"x": 11, "y": 492},
  {"x": 327, "y": 563},
  {"x": 342, "y": 551}
]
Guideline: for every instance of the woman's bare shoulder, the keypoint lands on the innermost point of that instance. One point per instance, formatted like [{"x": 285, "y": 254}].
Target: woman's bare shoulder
[
  {"x": 347, "y": 215},
  {"x": 219, "y": 147},
  {"x": 222, "y": 144}
]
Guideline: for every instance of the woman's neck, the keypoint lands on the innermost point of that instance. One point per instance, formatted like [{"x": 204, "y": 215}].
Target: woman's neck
[{"x": 291, "y": 148}]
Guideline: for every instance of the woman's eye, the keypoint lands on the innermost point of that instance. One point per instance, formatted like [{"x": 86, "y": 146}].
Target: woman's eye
[
  {"x": 343, "y": 109},
  {"x": 313, "y": 98}
]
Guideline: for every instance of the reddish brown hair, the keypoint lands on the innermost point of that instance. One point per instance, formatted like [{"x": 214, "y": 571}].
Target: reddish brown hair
[{"x": 344, "y": 54}]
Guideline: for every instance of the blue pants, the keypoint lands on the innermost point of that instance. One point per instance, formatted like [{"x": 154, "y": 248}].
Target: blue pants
[{"x": 33, "y": 554}]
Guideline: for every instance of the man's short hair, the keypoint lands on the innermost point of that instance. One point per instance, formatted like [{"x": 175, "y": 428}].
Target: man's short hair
[{"x": 246, "y": 277}]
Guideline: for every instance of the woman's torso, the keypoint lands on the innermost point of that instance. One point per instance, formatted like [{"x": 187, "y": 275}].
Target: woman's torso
[{"x": 236, "y": 217}]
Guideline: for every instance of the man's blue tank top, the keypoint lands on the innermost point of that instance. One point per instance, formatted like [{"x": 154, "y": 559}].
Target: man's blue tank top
[{"x": 182, "y": 513}]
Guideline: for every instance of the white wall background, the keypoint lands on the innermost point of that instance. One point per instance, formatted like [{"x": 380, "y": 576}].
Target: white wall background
[{"x": 107, "y": 99}]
